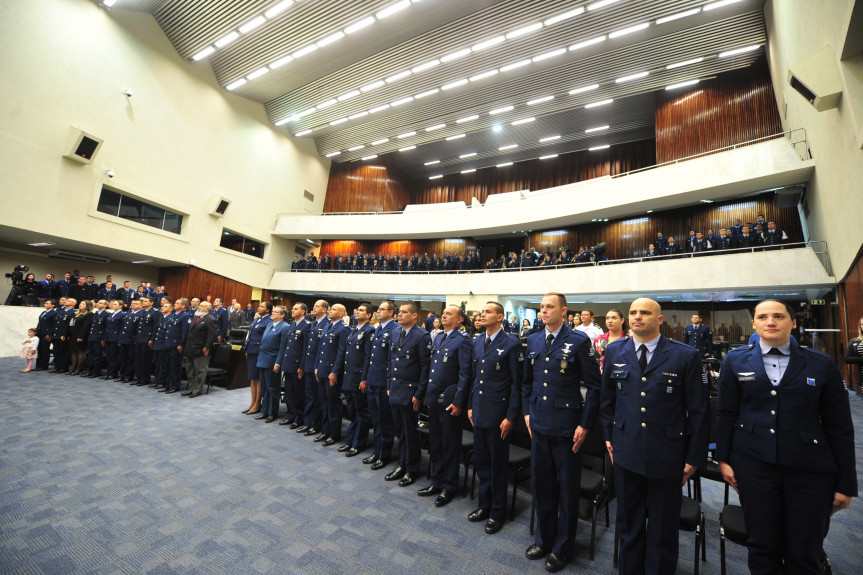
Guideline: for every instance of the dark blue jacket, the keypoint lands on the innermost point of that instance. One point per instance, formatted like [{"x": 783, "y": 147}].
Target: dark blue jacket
[
  {"x": 256, "y": 332},
  {"x": 700, "y": 337},
  {"x": 130, "y": 327},
  {"x": 147, "y": 323},
  {"x": 161, "y": 336},
  {"x": 331, "y": 349},
  {"x": 497, "y": 376},
  {"x": 107, "y": 294},
  {"x": 98, "y": 326},
  {"x": 63, "y": 287},
  {"x": 408, "y": 365},
  {"x": 125, "y": 295},
  {"x": 114, "y": 326},
  {"x": 357, "y": 352},
  {"x": 451, "y": 364},
  {"x": 224, "y": 318},
  {"x": 375, "y": 372},
  {"x": 61, "y": 323},
  {"x": 295, "y": 346},
  {"x": 48, "y": 289},
  {"x": 272, "y": 345},
  {"x": 315, "y": 332},
  {"x": 177, "y": 329},
  {"x": 47, "y": 319}
]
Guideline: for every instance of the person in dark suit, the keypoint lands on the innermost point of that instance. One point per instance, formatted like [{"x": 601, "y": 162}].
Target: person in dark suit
[
  {"x": 672, "y": 248},
  {"x": 237, "y": 317},
  {"x": 295, "y": 349},
  {"x": 114, "y": 326},
  {"x": 451, "y": 367},
  {"x": 78, "y": 290},
  {"x": 328, "y": 371},
  {"x": 202, "y": 334},
  {"x": 313, "y": 411},
  {"x": 270, "y": 354},
  {"x": 60, "y": 335},
  {"x": 175, "y": 341},
  {"x": 44, "y": 329},
  {"x": 160, "y": 347},
  {"x": 47, "y": 289},
  {"x": 357, "y": 352},
  {"x": 79, "y": 330},
  {"x": 651, "y": 252},
  {"x": 220, "y": 312},
  {"x": 492, "y": 409},
  {"x": 748, "y": 239},
  {"x": 126, "y": 342},
  {"x": 374, "y": 384},
  {"x": 96, "y": 339},
  {"x": 406, "y": 384},
  {"x": 252, "y": 347},
  {"x": 63, "y": 285},
  {"x": 785, "y": 442},
  {"x": 558, "y": 360},
  {"x": 655, "y": 417},
  {"x": 699, "y": 336},
  {"x": 148, "y": 321},
  {"x": 107, "y": 291}
]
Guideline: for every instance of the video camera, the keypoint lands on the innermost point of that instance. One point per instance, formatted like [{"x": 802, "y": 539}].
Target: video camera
[{"x": 17, "y": 275}]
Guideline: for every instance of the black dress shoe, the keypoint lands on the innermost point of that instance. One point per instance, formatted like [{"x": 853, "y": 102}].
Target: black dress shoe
[
  {"x": 320, "y": 438},
  {"x": 554, "y": 563},
  {"x": 253, "y": 412},
  {"x": 429, "y": 491},
  {"x": 94, "y": 376},
  {"x": 270, "y": 419},
  {"x": 155, "y": 385},
  {"x": 492, "y": 526},
  {"x": 285, "y": 422},
  {"x": 196, "y": 394},
  {"x": 329, "y": 441},
  {"x": 294, "y": 425},
  {"x": 535, "y": 552},
  {"x": 310, "y": 432},
  {"x": 186, "y": 393},
  {"x": 245, "y": 411},
  {"x": 379, "y": 464},
  {"x": 261, "y": 416},
  {"x": 396, "y": 473},
  {"x": 370, "y": 459},
  {"x": 303, "y": 429},
  {"x": 343, "y": 448},
  {"x": 444, "y": 498},
  {"x": 170, "y": 391},
  {"x": 352, "y": 452},
  {"x": 163, "y": 390},
  {"x": 478, "y": 515},
  {"x": 408, "y": 479},
  {"x": 132, "y": 382}
]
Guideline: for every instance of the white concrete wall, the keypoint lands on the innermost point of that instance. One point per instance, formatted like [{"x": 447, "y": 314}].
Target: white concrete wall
[
  {"x": 179, "y": 142},
  {"x": 796, "y": 29},
  {"x": 14, "y": 323}
]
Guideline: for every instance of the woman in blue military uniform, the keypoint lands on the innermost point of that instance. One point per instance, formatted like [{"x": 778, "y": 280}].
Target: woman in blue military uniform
[{"x": 252, "y": 347}]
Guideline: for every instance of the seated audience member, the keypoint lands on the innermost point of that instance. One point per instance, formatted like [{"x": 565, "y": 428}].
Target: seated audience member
[{"x": 651, "y": 251}]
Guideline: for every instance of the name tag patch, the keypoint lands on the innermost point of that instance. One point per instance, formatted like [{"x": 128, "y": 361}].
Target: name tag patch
[{"x": 810, "y": 381}]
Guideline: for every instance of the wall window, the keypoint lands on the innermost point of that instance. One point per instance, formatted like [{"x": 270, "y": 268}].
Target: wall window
[
  {"x": 238, "y": 243},
  {"x": 129, "y": 208}
]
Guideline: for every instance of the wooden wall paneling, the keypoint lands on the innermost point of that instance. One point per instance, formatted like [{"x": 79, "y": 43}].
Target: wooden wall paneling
[
  {"x": 851, "y": 292},
  {"x": 192, "y": 282},
  {"x": 365, "y": 187},
  {"x": 397, "y": 248}
]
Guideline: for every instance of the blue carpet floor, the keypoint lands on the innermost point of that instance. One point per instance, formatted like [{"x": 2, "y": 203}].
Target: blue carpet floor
[{"x": 100, "y": 477}]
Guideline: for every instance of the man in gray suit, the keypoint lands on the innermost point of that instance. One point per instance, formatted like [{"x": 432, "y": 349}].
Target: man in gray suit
[{"x": 203, "y": 330}]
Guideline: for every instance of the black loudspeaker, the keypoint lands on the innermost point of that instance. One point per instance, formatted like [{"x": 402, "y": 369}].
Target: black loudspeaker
[
  {"x": 81, "y": 146},
  {"x": 789, "y": 197},
  {"x": 220, "y": 206}
]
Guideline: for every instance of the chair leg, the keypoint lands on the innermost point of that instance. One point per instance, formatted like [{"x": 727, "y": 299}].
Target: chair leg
[
  {"x": 616, "y": 546},
  {"x": 593, "y": 531},
  {"x": 721, "y": 551},
  {"x": 703, "y": 538}
]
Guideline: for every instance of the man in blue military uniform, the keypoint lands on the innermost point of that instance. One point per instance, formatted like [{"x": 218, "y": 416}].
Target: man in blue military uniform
[
  {"x": 313, "y": 412},
  {"x": 175, "y": 341},
  {"x": 660, "y": 243},
  {"x": 374, "y": 384},
  {"x": 656, "y": 421},
  {"x": 59, "y": 334},
  {"x": 328, "y": 371},
  {"x": 493, "y": 406},
  {"x": 773, "y": 236},
  {"x": 724, "y": 241},
  {"x": 108, "y": 291},
  {"x": 451, "y": 367},
  {"x": 127, "y": 343},
  {"x": 160, "y": 374},
  {"x": 126, "y": 294},
  {"x": 47, "y": 289},
  {"x": 220, "y": 312},
  {"x": 269, "y": 364},
  {"x": 112, "y": 336},
  {"x": 557, "y": 360},
  {"x": 785, "y": 442},
  {"x": 63, "y": 285},
  {"x": 96, "y": 339},
  {"x": 147, "y": 323},
  {"x": 44, "y": 328},
  {"x": 699, "y": 336},
  {"x": 295, "y": 348},
  {"x": 407, "y": 380},
  {"x": 357, "y": 352}
]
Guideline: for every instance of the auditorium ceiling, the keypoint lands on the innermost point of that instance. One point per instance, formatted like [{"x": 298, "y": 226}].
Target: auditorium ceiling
[{"x": 445, "y": 86}]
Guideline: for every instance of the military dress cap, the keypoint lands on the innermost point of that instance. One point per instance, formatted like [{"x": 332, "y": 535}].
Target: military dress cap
[{"x": 448, "y": 395}]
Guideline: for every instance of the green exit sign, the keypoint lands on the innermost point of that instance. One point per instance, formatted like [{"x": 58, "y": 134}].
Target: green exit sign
[{"x": 818, "y": 302}]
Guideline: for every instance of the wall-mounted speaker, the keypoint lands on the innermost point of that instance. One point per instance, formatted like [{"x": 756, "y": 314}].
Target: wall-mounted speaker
[
  {"x": 789, "y": 197},
  {"x": 81, "y": 146},
  {"x": 817, "y": 79},
  {"x": 220, "y": 206}
]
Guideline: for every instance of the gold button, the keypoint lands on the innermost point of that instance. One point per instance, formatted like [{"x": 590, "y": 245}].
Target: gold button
[
  {"x": 773, "y": 392},
  {"x": 544, "y": 397},
  {"x": 643, "y": 379},
  {"x": 643, "y": 409},
  {"x": 545, "y": 371},
  {"x": 643, "y": 424},
  {"x": 772, "y": 432},
  {"x": 643, "y": 394},
  {"x": 544, "y": 384},
  {"x": 772, "y": 412}
]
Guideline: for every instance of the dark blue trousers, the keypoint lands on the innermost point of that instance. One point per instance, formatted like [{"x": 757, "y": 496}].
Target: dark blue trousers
[
  {"x": 358, "y": 409},
  {"x": 61, "y": 354},
  {"x": 330, "y": 401},
  {"x": 271, "y": 391},
  {"x": 491, "y": 457},
  {"x": 312, "y": 413},
  {"x": 143, "y": 362},
  {"x": 295, "y": 397},
  {"x": 112, "y": 358},
  {"x": 127, "y": 361},
  {"x": 405, "y": 427},
  {"x": 94, "y": 357},
  {"x": 556, "y": 473},
  {"x": 44, "y": 359},
  {"x": 445, "y": 433},
  {"x": 160, "y": 358},
  {"x": 175, "y": 367},
  {"x": 381, "y": 415}
]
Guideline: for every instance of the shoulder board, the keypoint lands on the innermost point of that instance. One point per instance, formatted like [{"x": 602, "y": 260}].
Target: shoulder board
[{"x": 741, "y": 348}]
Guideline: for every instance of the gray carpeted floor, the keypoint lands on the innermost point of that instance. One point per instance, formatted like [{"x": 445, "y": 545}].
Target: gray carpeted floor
[{"x": 100, "y": 477}]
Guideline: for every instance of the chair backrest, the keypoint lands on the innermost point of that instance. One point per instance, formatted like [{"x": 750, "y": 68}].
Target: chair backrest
[
  {"x": 519, "y": 435},
  {"x": 221, "y": 355}
]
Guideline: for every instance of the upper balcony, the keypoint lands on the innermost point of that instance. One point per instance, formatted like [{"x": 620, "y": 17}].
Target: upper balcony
[{"x": 773, "y": 162}]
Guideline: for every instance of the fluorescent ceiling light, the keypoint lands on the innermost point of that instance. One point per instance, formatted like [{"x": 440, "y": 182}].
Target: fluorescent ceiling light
[
  {"x": 401, "y": 101},
  {"x": 331, "y": 154},
  {"x": 508, "y": 147},
  {"x": 278, "y": 8},
  {"x": 406, "y": 148},
  {"x": 467, "y": 119},
  {"x": 720, "y": 4},
  {"x": 258, "y": 73},
  {"x": 399, "y": 76},
  {"x": 500, "y": 110},
  {"x": 431, "y": 163},
  {"x": 455, "y": 55},
  {"x": 505, "y": 164},
  {"x": 525, "y": 30},
  {"x": 629, "y": 30},
  {"x": 468, "y": 155},
  {"x": 586, "y": 43},
  {"x": 252, "y": 24},
  {"x": 339, "y": 121},
  {"x": 406, "y": 135},
  {"x": 108, "y": 4},
  {"x": 372, "y": 157},
  {"x": 564, "y": 16},
  {"x": 348, "y": 96},
  {"x": 381, "y": 141},
  {"x": 515, "y": 65},
  {"x": 686, "y": 63},
  {"x": 326, "y": 104},
  {"x": 390, "y": 10},
  {"x": 631, "y": 77},
  {"x": 596, "y": 129},
  {"x": 483, "y": 75},
  {"x": 303, "y": 133},
  {"x": 540, "y": 100},
  {"x": 42, "y": 244},
  {"x": 141, "y": 261},
  {"x": 604, "y": 146},
  {"x": 360, "y": 25},
  {"x": 678, "y": 16},
  {"x": 455, "y": 84},
  {"x": 372, "y": 86},
  {"x": 583, "y": 89},
  {"x": 303, "y": 51},
  {"x": 456, "y": 137},
  {"x": 203, "y": 53},
  {"x": 236, "y": 84},
  {"x": 548, "y": 55},
  {"x": 330, "y": 39},
  {"x": 425, "y": 66},
  {"x": 281, "y": 62},
  {"x": 355, "y": 148},
  {"x": 739, "y": 51},
  {"x": 470, "y": 171},
  {"x": 487, "y": 43},
  {"x": 284, "y": 121},
  {"x": 549, "y": 156},
  {"x": 601, "y": 4},
  {"x": 358, "y": 115},
  {"x": 523, "y": 121},
  {"x": 379, "y": 108},
  {"x": 227, "y": 39},
  {"x": 600, "y": 103},
  {"x": 549, "y": 138},
  {"x": 426, "y": 93},
  {"x": 306, "y": 112},
  {"x": 436, "y": 177},
  {"x": 435, "y": 127},
  {"x": 681, "y": 85}
]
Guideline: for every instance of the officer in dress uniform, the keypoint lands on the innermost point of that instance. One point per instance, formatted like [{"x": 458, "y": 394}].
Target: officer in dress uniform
[
  {"x": 269, "y": 364},
  {"x": 374, "y": 380},
  {"x": 446, "y": 397},
  {"x": 96, "y": 339},
  {"x": 63, "y": 285},
  {"x": 295, "y": 348},
  {"x": 773, "y": 236},
  {"x": 723, "y": 241},
  {"x": 700, "y": 244},
  {"x": 127, "y": 342},
  {"x": 785, "y": 442},
  {"x": 47, "y": 289},
  {"x": 60, "y": 335},
  {"x": 660, "y": 242},
  {"x": 252, "y": 347},
  {"x": 655, "y": 417},
  {"x": 313, "y": 412},
  {"x": 747, "y": 239},
  {"x": 328, "y": 371},
  {"x": 147, "y": 323},
  {"x": 44, "y": 328},
  {"x": 108, "y": 292},
  {"x": 160, "y": 347},
  {"x": 220, "y": 312},
  {"x": 558, "y": 359},
  {"x": 406, "y": 385},
  {"x": 126, "y": 294},
  {"x": 699, "y": 336},
  {"x": 113, "y": 328},
  {"x": 357, "y": 353},
  {"x": 492, "y": 409},
  {"x": 672, "y": 248}
]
